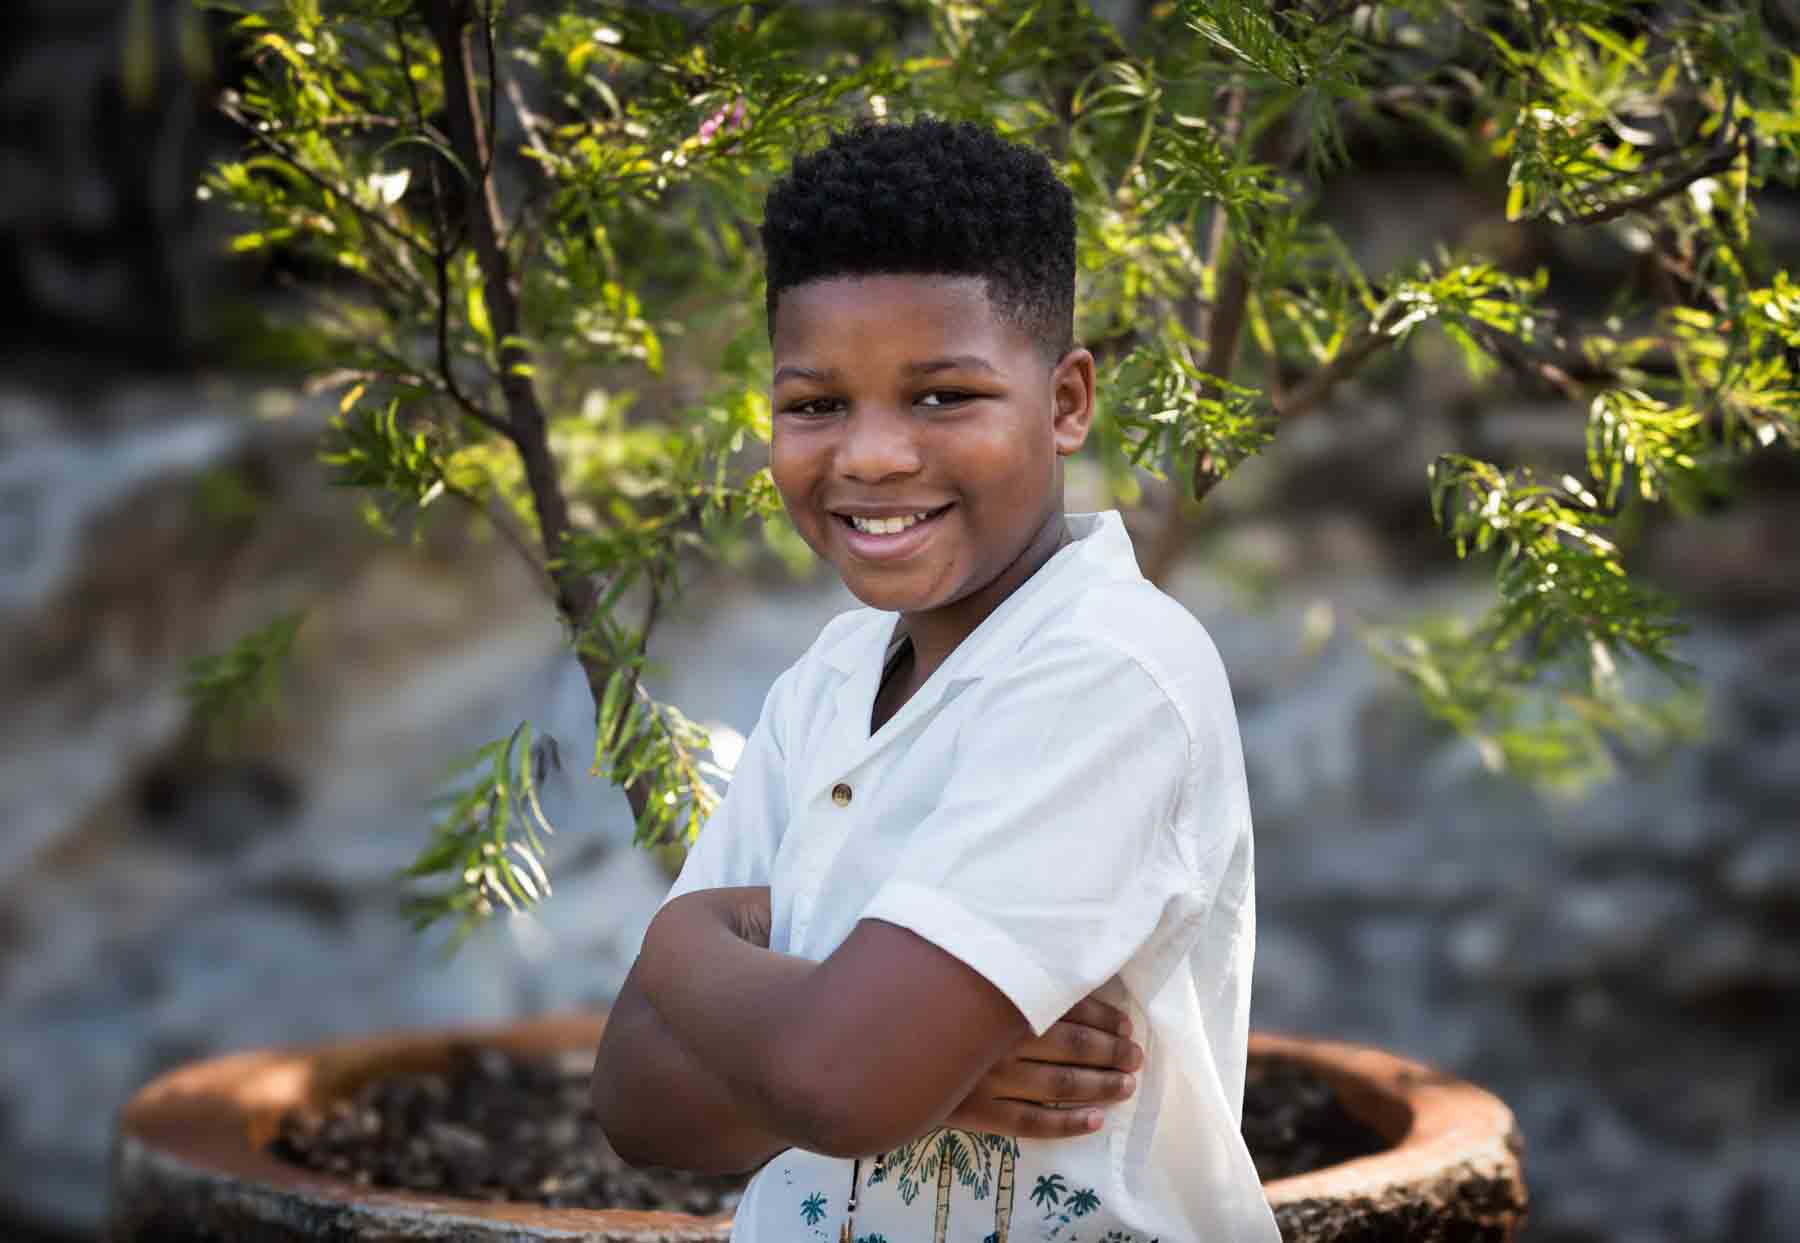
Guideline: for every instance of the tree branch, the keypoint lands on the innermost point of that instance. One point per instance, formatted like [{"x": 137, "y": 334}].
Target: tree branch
[
  {"x": 528, "y": 120},
  {"x": 1224, "y": 317},
  {"x": 1565, "y": 371},
  {"x": 527, "y": 426},
  {"x": 441, "y": 261},
  {"x": 485, "y": 14},
  {"x": 292, "y": 160},
  {"x": 442, "y": 248},
  {"x": 1411, "y": 94},
  {"x": 1223, "y": 325},
  {"x": 323, "y": 124},
  {"x": 651, "y": 605},
  {"x": 1718, "y": 162},
  {"x": 495, "y": 512},
  {"x": 1317, "y": 387},
  {"x": 1231, "y": 292},
  {"x": 412, "y": 88},
  {"x": 526, "y": 423}
]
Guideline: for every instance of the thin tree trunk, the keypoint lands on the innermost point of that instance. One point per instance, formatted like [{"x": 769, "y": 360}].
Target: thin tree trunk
[
  {"x": 449, "y": 22},
  {"x": 942, "y": 1225},
  {"x": 1003, "y": 1196},
  {"x": 1224, "y": 319}
]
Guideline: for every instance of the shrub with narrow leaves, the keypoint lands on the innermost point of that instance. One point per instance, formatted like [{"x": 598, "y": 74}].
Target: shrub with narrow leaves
[{"x": 504, "y": 216}]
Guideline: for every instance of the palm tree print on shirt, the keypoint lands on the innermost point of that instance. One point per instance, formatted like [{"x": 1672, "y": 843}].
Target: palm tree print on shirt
[
  {"x": 1049, "y": 1195},
  {"x": 937, "y": 1155},
  {"x": 1003, "y": 1187},
  {"x": 812, "y": 1209}
]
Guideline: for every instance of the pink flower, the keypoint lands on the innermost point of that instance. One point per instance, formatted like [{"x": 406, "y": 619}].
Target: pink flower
[{"x": 726, "y": 119}]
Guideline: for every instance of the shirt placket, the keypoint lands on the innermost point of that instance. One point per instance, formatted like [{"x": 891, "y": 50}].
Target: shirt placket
[
  {"x": 837, "y": 812},
  {"x": 839, "y": 791}
]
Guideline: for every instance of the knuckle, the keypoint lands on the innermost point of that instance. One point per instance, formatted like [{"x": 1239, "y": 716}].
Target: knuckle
[
  {"x": 1034, "y": 1083},
  {"x": 1066, "y": 1083},
  {"x": 1027, "y": 1120}
]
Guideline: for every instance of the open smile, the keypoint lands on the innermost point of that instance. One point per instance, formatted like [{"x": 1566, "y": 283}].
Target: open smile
[{"x": 885, "y": 537}]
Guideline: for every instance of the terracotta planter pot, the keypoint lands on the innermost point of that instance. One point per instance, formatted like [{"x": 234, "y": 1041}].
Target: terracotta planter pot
[
  {"x": 190, "y": 1161},
  {"x": 1452, "y": 1176}
]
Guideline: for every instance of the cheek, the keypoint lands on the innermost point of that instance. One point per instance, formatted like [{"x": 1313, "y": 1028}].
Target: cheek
[
  {"x": 788, "y": 467},
  {"x": 1011, "y": 462}
]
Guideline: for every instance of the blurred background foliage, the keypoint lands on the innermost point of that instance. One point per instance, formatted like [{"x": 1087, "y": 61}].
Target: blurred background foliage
[
  {"x": 501, "y": 222},
  {"x": 1617, "y": 955}
]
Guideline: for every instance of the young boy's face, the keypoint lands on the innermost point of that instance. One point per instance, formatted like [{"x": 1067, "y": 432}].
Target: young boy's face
[{"x": 917, "y": 435}]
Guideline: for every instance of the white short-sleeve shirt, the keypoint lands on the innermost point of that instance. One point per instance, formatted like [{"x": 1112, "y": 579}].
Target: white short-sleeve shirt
[{"x": 1062, "y": 807}]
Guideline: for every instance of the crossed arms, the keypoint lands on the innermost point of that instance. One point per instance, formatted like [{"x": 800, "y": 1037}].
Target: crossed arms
[{"x": 720, "y": 1052}]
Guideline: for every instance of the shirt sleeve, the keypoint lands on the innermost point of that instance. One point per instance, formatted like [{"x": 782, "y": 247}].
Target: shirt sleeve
[
  {"x": 1052, "y": 854},
  {"x": 737, "y": 844}
]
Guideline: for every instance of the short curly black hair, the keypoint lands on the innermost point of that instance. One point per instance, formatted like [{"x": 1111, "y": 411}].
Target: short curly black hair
[{"x": 930, "y": 198}]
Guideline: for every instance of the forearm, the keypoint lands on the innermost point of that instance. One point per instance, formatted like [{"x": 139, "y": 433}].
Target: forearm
[
  {"x": 745, "y": 1014},
  {"x": 659, "y": 1106},
  {"x": 828, "y": 1054}
]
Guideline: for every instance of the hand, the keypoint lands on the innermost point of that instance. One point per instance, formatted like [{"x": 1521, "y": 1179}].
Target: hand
[
  {"x": 745, "y": 910},
  {"x": 1083, "y": 1063}
]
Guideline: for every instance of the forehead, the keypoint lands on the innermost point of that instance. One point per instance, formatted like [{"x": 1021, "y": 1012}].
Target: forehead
[{"x": 858, "y": 320}]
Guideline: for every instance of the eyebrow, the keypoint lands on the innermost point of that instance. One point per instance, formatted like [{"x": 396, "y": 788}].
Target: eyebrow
[
  {"x": 804, "y": 373},
  {"x": 955, "y": 362},
  {"x": 929, "y": 366}
]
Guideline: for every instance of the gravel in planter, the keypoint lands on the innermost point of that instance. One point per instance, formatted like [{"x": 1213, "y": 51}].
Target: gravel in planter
[
  {"x": 492, "y": 1127},
  {"x": 499, "y": 1127}
]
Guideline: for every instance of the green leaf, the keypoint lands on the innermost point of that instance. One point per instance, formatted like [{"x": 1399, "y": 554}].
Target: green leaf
[
  {"x": 227, "y": 689},
  {"x": 478, "y": 316},
  {"x": 485, "y": 851}
]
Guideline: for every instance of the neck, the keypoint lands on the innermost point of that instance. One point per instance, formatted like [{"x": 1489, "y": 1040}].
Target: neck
[{"x": 936, "y": 633}]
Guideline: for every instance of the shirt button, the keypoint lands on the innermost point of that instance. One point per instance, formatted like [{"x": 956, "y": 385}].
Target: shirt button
[{"x": 840, "y": 794}]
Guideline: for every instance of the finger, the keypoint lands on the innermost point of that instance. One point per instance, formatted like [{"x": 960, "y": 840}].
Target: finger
[
  {"x": 1092, "y": 1012},
  {"x": 1080, "y": 1045},
  {"x": 1024, "y": 1119},
  {"x": 1044, "y": 1083}
]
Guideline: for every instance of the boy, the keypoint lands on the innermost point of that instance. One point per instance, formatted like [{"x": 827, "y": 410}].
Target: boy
[{"x": 1011, "y": 782}]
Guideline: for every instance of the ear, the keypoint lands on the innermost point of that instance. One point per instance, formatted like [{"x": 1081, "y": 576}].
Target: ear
[{"x": 1072, "y": 400}]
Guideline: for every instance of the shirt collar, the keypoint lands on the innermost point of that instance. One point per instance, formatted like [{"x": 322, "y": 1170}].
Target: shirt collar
[{"x": 1100, "y": 548}]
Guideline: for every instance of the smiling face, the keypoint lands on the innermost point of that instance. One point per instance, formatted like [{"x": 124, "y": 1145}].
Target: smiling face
[{"x": 917, "y": 438}]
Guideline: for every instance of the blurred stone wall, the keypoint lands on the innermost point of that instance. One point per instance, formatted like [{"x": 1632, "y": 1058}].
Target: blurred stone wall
[
  {"x": 1624, "y": 968},
  {"x": 106, "y": 119}
]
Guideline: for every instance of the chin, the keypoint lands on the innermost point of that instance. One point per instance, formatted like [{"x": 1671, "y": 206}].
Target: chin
[
  {"x": 889, "y": 600},
  {"x": 891, "y": 596}
]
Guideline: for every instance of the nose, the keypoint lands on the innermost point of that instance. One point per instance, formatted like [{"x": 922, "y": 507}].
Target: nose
[{"x": 879, "y": 444}]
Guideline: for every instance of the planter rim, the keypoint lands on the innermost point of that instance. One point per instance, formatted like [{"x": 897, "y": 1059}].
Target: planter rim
[
  {"x": 208, "y": 1124},
  {"x": 205, "y": 1127},
  {"x": 1437, "y": 1125}
]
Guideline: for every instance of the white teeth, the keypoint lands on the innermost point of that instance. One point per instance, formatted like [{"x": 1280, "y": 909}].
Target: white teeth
[{"x": 886, "y": 526}]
